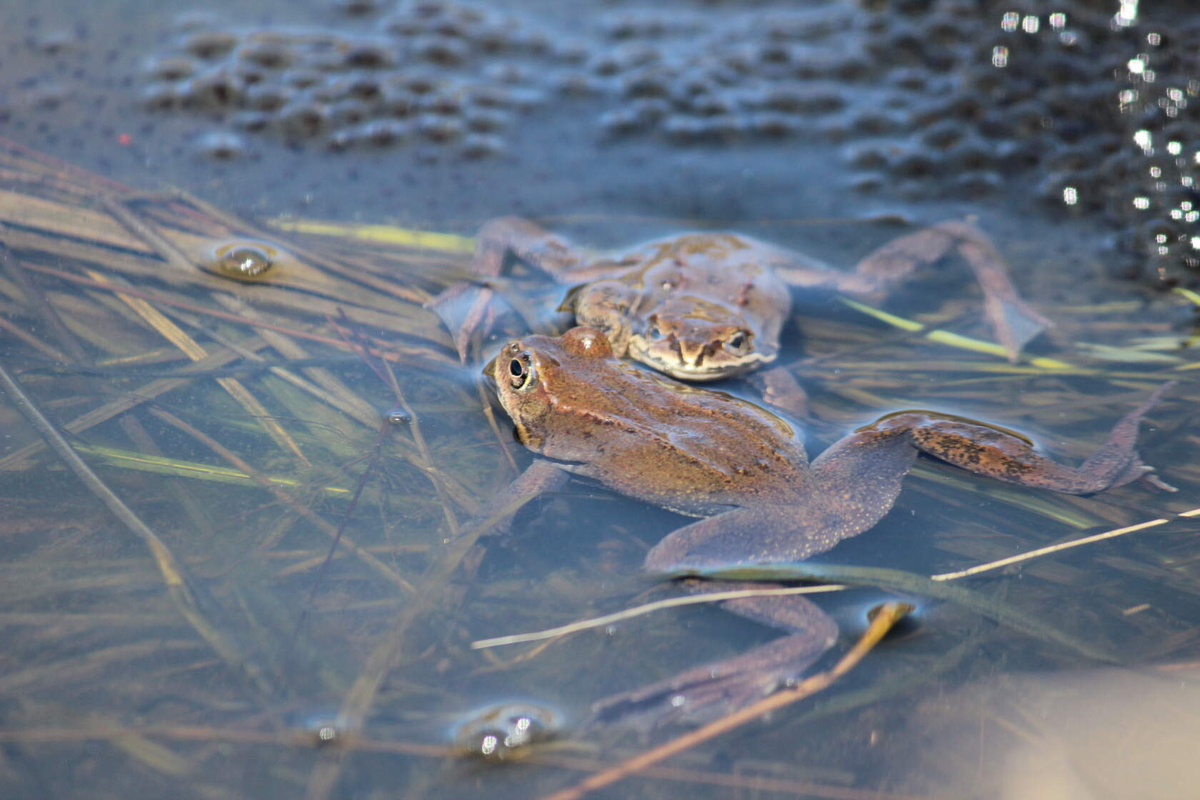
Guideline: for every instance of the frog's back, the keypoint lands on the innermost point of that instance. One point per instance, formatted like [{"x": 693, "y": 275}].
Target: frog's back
[
  {"x": 725, "y": 257},
  {"x": 686, "y": 449},
  {"x": 644, "y": 435}
]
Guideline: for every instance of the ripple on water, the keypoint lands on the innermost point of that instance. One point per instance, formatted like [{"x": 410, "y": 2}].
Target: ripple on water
[{"x": 500, "y": 732}]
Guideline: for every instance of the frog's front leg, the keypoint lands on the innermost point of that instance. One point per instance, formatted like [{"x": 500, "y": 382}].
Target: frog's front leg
[
  {"x": 1011, "y": 318},
  {"x": 846, "y": 490},
  {"x": 704, "y": 693},
  {"x": 780, "y": 388},
  {"x": 497, "y": 242},
  {"x": 540, "y": 477}
]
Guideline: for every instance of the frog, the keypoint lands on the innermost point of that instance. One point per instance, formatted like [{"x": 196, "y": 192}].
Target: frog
[
  {"x": 707, "y": 306},
  {"x": 744, "y": 473}
]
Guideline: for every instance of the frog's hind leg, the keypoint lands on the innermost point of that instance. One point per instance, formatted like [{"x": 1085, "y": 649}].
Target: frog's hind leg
[
  {"x": 1013, "y": 320},
  {"x": 707, "y": 692},
  {"x": 497, "y": 243},
  {"x": 849, "y": 488},
  {"x": 1000, "y": 454},
  {"x": 513, "y": 237}
]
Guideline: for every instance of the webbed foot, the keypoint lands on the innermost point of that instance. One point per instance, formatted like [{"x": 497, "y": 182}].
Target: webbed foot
[
  {"x": 998, "y": 453},
  {"x": 465, "y": 307},
  {"x": 1013, "y": 321},
  {"x": 704, "y": 693}
]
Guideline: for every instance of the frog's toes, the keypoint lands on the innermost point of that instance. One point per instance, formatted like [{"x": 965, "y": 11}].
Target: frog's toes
[{"x": 1151, "y": 477}]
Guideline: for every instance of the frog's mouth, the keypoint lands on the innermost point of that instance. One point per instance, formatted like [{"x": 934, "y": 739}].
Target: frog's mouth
[{"x": 711, "y": 367}]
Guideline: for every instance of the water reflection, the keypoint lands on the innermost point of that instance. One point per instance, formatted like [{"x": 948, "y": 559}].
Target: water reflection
[
  {"x": 1098, "y": 735},
  {"x": 243, "y": 260}
]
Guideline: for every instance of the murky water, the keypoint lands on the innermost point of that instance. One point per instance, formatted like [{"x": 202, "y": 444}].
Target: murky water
[{"x": 249, "y": 381}]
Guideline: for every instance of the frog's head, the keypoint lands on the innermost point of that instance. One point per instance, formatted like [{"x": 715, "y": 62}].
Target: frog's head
[
  {"x": 537, "y": 375},
  {"x": 698, "y": 349}
]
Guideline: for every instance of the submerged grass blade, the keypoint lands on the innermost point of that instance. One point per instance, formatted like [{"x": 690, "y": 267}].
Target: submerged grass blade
[
  {"x": 1046, "y": 505},
  {"x": 899, "y": 580},
  {"x": 894, "y": 685},
  {"x": 387, "y": 234},
  {"x": 162, "y": 465},
  {"x": 366, "y": 557},
  {"x": 122, "y": 404},
  {"x": 1193, "y": 297},
  {"x": 366, "y": 474},
  {"x": 151, "y": 754},
  {"x": 1125, "y": 355},
  {"x": 192, "y": 349},
  {"x": 889, "y": 614},
  {"x": 180, "y": 587},
  {"x": 37, "y": 299},
  {"x": 952, "y": 339}
]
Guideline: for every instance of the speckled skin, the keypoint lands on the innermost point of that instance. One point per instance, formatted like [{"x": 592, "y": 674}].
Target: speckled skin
[
  {"x": 698, "y": 306},
  {"x": 706, "y": 306},
  {"x": 709, "y": 454},
  {"x": 742, "y": 468}
]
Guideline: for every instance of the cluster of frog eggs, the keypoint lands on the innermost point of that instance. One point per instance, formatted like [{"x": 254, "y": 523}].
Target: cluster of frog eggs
[
  {"x": 436, "y": 73},
  {"x": 1153, "y": 179},
  {"x": 948, "y": 97},
  {"x": 1103, "y": 105},
  {"x": 971, "y": 102},
  {"x": 830, "y": 76},
  {"x": 452, "y": 73},
  {"x": 692, "y": 80},
  {"x": 939, "y": 95}
]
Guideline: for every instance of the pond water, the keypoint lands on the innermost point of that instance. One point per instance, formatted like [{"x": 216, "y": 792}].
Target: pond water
[{"x": 239, "y": 557}]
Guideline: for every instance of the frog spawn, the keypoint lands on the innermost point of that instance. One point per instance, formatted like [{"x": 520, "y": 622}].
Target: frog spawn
[
  {"x": 1099, "y": 99},
  {"x": 432, "y": 73},
  {"x": 948, "y": 96}
]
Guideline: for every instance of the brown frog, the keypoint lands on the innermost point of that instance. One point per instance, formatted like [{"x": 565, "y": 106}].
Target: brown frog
[
  {"x": 745, "y": 473},
  {"x": 705, "y": 306}
]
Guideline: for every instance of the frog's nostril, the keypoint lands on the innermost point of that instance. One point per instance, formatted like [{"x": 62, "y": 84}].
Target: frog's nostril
[
  {"x": 662, "y": 328},
  {"x": 691, "y": 352}
]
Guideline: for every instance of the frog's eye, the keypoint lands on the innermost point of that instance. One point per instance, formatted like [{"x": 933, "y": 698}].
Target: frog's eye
[
  {"x": 520, "y": 372},
  {"x": 738, "y": 343}
]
